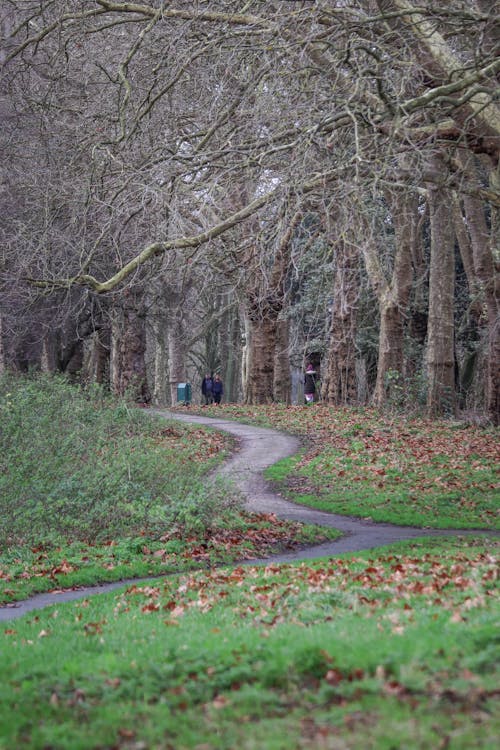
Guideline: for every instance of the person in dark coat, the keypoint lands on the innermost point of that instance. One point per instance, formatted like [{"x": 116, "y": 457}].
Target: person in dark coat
[
  {"x": 207, "y": 389},
  {"x": 217, "y": 389},
  {"x": 309, "y": 384}
]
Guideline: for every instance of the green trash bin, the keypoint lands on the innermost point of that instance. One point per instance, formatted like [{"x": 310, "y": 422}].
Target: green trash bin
[{"x": 184, "y": 393}]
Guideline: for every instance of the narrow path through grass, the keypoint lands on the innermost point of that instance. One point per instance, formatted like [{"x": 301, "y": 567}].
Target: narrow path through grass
[{"x": 392, "y": 647}]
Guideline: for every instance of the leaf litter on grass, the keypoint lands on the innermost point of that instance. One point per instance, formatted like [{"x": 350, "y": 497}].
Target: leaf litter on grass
[
  {"x": 24, "y": 572},
  {"x": 372, "y": 651},
  {"x": 397, "y": 469},
  {"x": 367, "y": 649}
]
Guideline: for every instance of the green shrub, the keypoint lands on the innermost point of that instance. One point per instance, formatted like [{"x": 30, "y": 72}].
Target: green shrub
[{"x": 79, "y": 464}]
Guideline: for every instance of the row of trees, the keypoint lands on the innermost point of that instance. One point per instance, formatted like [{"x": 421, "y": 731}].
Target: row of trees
[{"x": 214, "y": 185}]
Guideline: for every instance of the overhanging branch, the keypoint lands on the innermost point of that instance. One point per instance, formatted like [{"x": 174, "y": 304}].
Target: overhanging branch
[{"x": 194, "y": 241}]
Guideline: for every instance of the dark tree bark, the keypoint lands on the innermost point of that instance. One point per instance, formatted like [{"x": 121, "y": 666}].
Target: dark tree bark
[{"x": 129, "y": 348}]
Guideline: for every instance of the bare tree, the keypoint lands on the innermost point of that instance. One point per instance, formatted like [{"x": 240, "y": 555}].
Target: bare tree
[{"x": 151, "y": 121}]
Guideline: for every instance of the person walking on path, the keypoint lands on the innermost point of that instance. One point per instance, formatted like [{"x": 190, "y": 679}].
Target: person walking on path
[
  {"x": 207, "y": 385},
  {"x": 217, "y": 389},
  {"x": 309, "y": 384}
]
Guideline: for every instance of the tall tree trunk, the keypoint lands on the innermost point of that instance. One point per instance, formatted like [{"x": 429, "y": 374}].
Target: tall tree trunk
[
  {"x": 158, "y": 342},
  {"x": 265, "y": 301},
  {"x": 393, "y": 294},
  {"x": 176, "y": 361},
  {"x": 340, "y": 372},
  {"x": 471, "y": 361},
  {"x": 245, "y": 357},
  {"x": 394, "y": 300},
  {"x": 261, "y": 358},
  {"x": 493, "y": 302},
  {"x": 129, "y": 348},
  {"x": 390, "y": 350},
  {"x": 176, "y": 343},
  {"x": 282, "y": 384},
  {"x": 2, "y": 348},
  {"x": 467, "y": 255},
  {"x": 229, "y": 347},
  {"x": 117, "y": 330},
  {"x": 440, "y": 349},
  {"x": 485, "y": 242},
  {"x": 160, "y": 368},
  {"x": 419, "y": 305},
  {"x": 97, "y": 366},
  {"x": 48, "y": 356}
]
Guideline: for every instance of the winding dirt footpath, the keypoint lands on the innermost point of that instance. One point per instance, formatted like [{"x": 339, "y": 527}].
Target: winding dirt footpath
[{"x": 259, "y": 448}]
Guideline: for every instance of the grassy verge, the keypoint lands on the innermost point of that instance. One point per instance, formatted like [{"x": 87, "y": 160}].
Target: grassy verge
[
  {"x": 92, "y": 490},
  {"x": 25, "y": 571},
  {"x": 392, "y": 649},
  {"x": 396, "y": 648},
  {"x": 396, "y": 469}
]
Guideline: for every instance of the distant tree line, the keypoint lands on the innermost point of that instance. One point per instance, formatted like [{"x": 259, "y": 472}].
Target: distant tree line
[{"x": 243, "y": 188}]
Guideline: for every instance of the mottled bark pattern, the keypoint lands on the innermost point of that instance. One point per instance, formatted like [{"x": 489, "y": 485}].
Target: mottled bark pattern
[
  {"x": 440, "y": 348},
  {"x": 485, "y": 243},
  {"x": 265, "y": 301},
  {"x": 261, "y": 360},
  {"x": 282, "y": 379},
  {"x": 129, "y": 348}
]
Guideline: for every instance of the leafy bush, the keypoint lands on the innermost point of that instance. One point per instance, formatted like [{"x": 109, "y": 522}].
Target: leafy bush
[{"x": 79, "y": 464}]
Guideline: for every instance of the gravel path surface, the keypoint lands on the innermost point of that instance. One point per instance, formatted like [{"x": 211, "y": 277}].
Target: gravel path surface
[{"x": 259, "y": 448}]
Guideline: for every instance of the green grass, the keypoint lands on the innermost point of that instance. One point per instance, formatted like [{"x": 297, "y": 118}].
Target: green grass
[
  {"x": 393, "y": 649},
  {"x": 397, "y": 498},
  {"x": 384, "y": 650},
  {"x": 94, "y": 490},
  {"x": 25, "y": 571},
  {"x": 401, "y": 470}
]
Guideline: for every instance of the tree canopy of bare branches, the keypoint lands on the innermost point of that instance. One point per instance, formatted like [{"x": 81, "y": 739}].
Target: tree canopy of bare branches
[{"x": 143, "y": 135}]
